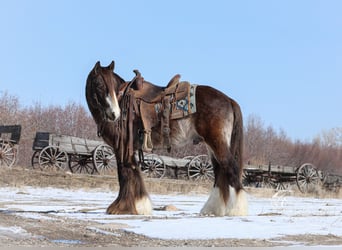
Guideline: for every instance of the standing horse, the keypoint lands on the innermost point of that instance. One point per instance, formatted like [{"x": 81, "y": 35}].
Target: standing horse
[{"x": 217, "y": 122}]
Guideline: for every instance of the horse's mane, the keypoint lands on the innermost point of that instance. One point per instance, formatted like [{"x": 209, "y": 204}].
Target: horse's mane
[{"x": 119, "y": 78}]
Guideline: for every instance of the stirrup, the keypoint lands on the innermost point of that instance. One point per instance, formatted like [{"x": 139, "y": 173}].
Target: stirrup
[{"x": 147, "y": 143}]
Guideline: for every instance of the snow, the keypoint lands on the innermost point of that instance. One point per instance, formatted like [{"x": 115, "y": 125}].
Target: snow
[
  {"x": 14, "y": 232},
  {"x": 268, "y": 217}
]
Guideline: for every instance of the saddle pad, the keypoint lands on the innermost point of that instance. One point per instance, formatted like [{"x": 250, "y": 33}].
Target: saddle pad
[{"x": 183, "y": 105}]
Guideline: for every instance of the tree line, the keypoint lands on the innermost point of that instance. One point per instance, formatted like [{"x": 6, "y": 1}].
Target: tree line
[{"x": 262, "y": 144}]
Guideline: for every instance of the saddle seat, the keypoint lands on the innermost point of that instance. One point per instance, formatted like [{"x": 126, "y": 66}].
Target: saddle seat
[
  {"x": 152, "y": 93},
  {"x": 155, "y": 107}
]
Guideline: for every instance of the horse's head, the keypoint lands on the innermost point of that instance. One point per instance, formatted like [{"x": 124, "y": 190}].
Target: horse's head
[{"x": 101, "y": 92}]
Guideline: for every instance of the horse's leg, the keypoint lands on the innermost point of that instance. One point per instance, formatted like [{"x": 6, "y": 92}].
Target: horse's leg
[
  {"x": 227, "y": 196},
  {"x": 133, "y": 197}
]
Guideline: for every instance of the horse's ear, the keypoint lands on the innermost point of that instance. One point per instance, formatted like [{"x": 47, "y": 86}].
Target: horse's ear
[
  {"x": 111, "y": 66},
  {"x": 97, "y": 67}
]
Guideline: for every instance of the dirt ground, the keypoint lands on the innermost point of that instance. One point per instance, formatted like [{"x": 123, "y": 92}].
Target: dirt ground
[{"x": 47, "y": 232}]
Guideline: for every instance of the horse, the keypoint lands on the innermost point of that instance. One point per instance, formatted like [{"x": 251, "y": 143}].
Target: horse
[{"x": 217, "y": 122}]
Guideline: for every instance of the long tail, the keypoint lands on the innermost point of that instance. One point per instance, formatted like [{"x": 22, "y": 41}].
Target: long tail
[{"x": 237, "y": 137}]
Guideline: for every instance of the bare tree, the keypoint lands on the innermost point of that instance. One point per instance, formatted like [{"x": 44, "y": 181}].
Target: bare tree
[{"x": 261, "y": 144}]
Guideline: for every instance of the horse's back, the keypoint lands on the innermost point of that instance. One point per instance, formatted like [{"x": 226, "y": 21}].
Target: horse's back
[{"x": 212, "y": 101}]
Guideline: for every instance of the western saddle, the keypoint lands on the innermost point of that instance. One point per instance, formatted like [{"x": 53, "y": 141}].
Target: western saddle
[{"x": 158, "y": 105}]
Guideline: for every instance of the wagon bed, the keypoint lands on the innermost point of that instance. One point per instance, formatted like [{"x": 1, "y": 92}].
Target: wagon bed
[
  {"x": 193, "y": 167},
  {"x": 69, "y": 144},
  {"x": 307, "y": 177}
]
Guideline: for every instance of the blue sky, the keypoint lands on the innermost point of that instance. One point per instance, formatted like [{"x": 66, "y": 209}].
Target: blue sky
[{"x": 281, "y": 60}]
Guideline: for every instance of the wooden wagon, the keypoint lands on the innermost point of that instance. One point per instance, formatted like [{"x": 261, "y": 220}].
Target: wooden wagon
[
  {"x": 193, "y": 167},
  {"x": 9, "y": 140},
  {"x": 78, "y": 154},
  {"x": 307, "y": 177},
  {"x": 332, "y": 182}
]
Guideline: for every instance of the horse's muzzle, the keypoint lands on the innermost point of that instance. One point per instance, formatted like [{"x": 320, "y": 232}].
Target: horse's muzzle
[{"x": 111, "y": 115}]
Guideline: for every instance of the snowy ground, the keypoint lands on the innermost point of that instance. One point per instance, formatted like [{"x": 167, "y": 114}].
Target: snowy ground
[{"x": 269, "y": 218}]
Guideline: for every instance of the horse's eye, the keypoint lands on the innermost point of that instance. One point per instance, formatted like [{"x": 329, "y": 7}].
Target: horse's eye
[{"x": 100, "y": 86}]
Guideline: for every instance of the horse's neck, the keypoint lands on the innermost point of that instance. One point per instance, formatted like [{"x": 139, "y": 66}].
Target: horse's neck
[{"x": 109, "y": 133}]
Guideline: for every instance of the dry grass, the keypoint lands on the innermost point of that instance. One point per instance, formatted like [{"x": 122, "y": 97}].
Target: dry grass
[
  {"x": 19, "y": 176},
  {"x": 320, "y": 193}
]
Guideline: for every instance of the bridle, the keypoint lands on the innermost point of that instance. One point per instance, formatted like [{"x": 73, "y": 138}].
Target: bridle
[{"x": 123, "y": 90}]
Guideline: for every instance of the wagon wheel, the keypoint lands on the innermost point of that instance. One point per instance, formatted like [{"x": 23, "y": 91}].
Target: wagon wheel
[
  {"x": 282, "y": 186},
  {"x": 200, "y": 168},
  {"x": 81, "y": 164},
  {"x": 153, "y": 166},
  {"x": 7, "y": 153},
  {"x": 307, "y": 178},
  {"x": 52, "y": 157},
  {"x": 268, "y": 182},
  {"x": 245, "y": 179},
  {"x": 104, "y": 159},
  {"x": 35, "y": 159}
]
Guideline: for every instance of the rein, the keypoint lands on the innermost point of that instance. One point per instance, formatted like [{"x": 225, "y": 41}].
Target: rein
[
  {"x": 124, "y": 89},
  {"x": 128, "y": 108}
]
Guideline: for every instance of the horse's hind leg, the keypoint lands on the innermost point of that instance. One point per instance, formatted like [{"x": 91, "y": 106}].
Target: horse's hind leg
[{"x": 227, "y": 196}]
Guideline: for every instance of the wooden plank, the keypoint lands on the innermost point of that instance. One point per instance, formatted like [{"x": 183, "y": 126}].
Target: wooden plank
[
  {"x": 176, "y": 162},
  {"x": 73, "y": 145},
  {"x": 274, "y": 168}
]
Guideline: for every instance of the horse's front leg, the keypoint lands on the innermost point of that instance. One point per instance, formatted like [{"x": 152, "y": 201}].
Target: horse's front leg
[{"x": 133, "y": 197}]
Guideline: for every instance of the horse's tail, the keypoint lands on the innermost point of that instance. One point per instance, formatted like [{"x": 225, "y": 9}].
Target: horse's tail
[{"x": 237, "y": 137}]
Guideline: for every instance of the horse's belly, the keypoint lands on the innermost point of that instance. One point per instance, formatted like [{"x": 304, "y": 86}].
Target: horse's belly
[{"x": 182, "y": 132}]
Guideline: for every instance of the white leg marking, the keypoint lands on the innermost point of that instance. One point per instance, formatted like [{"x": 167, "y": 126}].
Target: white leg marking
[
  {"x": 236, "y": 205},
  {"x": 144, "y": 206},
  {"x": 214, "y": 204}
]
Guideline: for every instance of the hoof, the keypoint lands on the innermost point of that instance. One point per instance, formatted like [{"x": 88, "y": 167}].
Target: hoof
[
  {"x": 142, "y": 206},
  {"x": 236, "y": 206},
  {"x": 121, "y": 208}
]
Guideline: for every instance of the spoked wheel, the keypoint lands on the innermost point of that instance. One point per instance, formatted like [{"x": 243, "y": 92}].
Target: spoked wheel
[
  {"x": 7, "y": 153},
  {"x": 268, "y": 182},
  {"x": 307, "y": 178},
  {"x": 53, "y": 158},
  {"x": 35, "y": 160},
  {"x": 104, "y": 159},
  {"x": 153, "y": 166},
  {"x": 200, "y": 168},
  {"x": 82, "y": 164},
  {"x": 282, "y": 186},
  {"x": 245, "y": 179}
]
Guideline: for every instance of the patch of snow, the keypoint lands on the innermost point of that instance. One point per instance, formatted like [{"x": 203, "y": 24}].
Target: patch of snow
[
  {"x": 268, "y": 217},
  {"x": 13, "y": 232}
]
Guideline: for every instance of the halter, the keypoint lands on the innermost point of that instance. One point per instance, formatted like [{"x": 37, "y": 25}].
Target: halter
[{"x": 121, "y": 94}]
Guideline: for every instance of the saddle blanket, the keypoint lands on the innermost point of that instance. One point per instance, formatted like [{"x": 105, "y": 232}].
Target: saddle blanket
[{"x": 183, "y": 103}]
